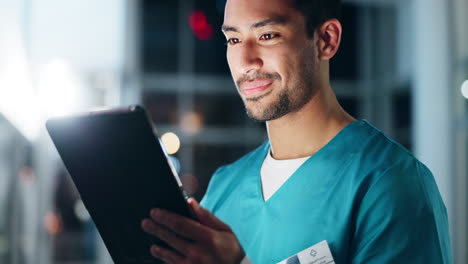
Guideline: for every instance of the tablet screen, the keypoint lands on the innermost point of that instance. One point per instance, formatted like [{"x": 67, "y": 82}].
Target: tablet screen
[{"x": 121, "y": 171}]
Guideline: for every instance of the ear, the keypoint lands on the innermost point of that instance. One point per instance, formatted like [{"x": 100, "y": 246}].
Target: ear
[{"x": 329, "y": 38}]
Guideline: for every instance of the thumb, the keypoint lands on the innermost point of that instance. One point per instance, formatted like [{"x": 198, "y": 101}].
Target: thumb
[{"x": 206, "y": 217}]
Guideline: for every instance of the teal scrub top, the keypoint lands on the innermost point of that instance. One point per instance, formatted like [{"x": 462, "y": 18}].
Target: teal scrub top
[{"x": 367, "y": 196}]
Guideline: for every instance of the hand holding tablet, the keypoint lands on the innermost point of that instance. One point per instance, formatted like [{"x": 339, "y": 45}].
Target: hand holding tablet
[{"x": 207, "y": 240}]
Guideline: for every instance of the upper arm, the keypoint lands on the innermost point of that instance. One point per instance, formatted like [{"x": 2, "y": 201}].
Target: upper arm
[{"x": 399, "y": 219}]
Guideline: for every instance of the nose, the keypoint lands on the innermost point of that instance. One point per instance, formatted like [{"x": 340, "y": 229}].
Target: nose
[{"x": 246, "y": 58}]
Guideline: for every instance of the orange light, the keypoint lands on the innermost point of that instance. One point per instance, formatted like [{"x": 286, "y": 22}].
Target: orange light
[
  {"x": 191, "y": 123},
  {"x": 26, "y": 175},
  {"x": 190, "y": 183},
  {"x": 53, "y": 223}
]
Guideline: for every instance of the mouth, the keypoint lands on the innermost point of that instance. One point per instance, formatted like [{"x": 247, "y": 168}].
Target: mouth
[{"x": 256, "y": 87}]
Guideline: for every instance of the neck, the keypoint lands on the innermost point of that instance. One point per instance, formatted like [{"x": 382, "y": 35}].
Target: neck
[{"x": 306, "y": 131}]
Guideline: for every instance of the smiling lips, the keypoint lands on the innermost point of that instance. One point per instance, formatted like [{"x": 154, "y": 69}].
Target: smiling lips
[{"x": 255, "y": 87}]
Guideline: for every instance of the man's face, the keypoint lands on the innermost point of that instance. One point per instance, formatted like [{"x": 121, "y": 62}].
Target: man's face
[{"x": 271, "y": 58}]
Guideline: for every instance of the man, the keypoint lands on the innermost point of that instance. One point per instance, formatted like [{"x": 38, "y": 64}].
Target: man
[{"x": 324, "y": 186}]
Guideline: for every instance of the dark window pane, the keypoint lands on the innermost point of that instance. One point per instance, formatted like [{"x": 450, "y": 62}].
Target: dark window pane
[
  {"x": 401, "y": 116},
  {"x": 160, "y": 35},
  {"x": 350, "y": 105},
  {"x": 255, "y": 124},
  {"x": 402, "y": 109},
  {"x": 210, "y": 54},
  {"x": 344, "y": 65},
  {"x": 162, "y": 107},
  {"x": 226, "y": 110},
  {"x": 207, "y": 158}
]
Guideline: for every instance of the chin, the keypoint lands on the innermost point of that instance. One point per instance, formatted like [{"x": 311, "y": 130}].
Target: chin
[
  {"x": 254, "y": 113},
  {"x": 259, "y": 114}
]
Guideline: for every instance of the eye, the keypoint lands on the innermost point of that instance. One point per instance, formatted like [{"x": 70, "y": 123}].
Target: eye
[
  {"x": 269, "y": 36},
  {"x": 232, "y": 41}
]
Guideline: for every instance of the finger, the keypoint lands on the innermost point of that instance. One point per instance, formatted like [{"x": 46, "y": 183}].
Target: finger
[
  {"x": 206, "y": 217},
  {"x": 172, "y": 239},
  {"x": 166, "y": 255},
  {"x": 182, "y": 226}
]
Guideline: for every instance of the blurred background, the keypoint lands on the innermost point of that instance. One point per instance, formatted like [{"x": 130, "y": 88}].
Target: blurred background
[{"x": 402, "y": 66}]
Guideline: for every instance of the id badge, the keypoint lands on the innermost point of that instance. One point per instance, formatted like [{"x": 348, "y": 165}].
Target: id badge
[{"x": 317, "y": 254}]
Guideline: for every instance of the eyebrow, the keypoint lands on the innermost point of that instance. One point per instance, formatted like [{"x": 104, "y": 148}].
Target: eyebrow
[{"x": 263, "y": 23}]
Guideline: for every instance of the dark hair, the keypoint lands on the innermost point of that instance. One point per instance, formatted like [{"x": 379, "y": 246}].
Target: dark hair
[{"x": 317, "y": 11}]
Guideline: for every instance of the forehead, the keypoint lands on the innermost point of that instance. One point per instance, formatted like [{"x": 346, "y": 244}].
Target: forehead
[{"x": 239, "y": 13}]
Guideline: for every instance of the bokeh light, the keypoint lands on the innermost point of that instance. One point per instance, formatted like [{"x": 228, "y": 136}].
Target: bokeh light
[
  {"x": 200, "y": 26},
  {"x": 464, "y": 89},
  {"x": 80, "y": 211},
  {"x": 26, "y": 175},
  {"x": 191, "y": 123},
  {"x": 172, "y": 142},
  {"x": 190, "y": 183},
  {"x": 4, "y": 246},
  {"x": 53, "y": 223},
  {"x": 59, "y": 89}
]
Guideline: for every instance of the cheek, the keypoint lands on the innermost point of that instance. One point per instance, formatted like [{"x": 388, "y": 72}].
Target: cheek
[
  {"x": 229, "y": 59},
  {"x": 285, "y": 62},
  {"x": 232, "y": 62}
]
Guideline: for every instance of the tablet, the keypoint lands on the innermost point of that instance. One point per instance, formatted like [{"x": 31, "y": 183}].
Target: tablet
[{"x": 121, "y": 171}]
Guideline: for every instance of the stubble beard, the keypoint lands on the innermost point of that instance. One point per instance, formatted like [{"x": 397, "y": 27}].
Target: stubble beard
[
  {"x": 288, "y": 100},
  {"x": 280, "y": 107}
]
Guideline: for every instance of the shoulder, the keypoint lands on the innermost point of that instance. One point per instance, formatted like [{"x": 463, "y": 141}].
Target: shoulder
[
  {"x": 380, "y": 155},
  {"x": 227, "y": 177}
]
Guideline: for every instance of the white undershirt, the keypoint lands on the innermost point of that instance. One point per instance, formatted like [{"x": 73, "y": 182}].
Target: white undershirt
[{"x": 274, "y": 173}]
